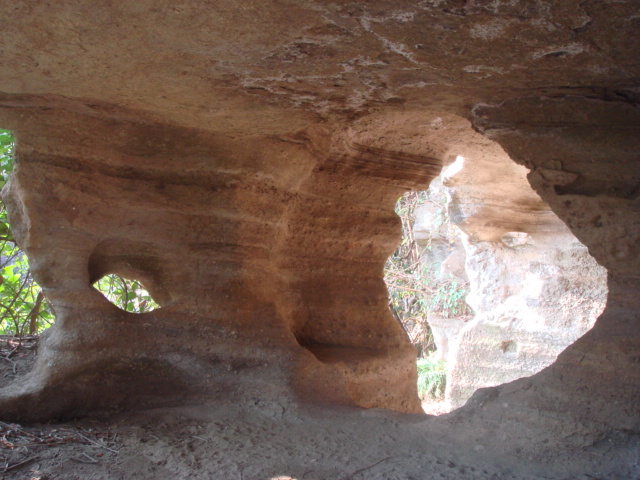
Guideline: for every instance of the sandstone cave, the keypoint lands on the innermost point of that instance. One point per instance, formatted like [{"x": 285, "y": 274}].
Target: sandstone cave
[
  {"x": 503, "y": 285},
  {"x": 242, "y": 161}
]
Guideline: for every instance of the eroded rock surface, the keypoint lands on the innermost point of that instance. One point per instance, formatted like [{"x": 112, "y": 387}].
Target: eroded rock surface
[
  {"x": 244, "y": 161},
  {"x": 533, "y": 286},
  {"x": 601, "y": 143},
  {"x": 247, "y": 264},
  {"x": 443, "y": 257}
]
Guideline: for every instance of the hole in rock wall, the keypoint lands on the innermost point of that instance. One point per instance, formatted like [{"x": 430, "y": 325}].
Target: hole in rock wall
[
  {"x": 24, "y": 310},
  {"x": 486, "y": 293},
  {"x": 126, "y": 294}
]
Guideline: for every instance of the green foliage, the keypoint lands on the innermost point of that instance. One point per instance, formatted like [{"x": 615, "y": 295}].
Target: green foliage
[
  {"x": 448, "y": 299},
  {"x": 417, "y": 290},
  {"x": 129, "y": 295},
  {"x": 404, "y": 274},
  {"x": 432, "y": 377},
  {"x": 23, "y": 307},
  {"x": 6, "y": 156},
  {"x": 6, "y": 167}
]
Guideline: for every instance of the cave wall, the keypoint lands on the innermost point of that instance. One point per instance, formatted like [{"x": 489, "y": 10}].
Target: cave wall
[
  {"x": 258, "y": 122},
  {"x": 531, "y": 301},
  {"x": 267, "y": 292}
]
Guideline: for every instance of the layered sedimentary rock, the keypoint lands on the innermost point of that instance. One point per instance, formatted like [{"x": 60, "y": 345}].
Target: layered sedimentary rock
[
  {"x": 270, "y": 140},
  {"x": 248, "y": 264}
]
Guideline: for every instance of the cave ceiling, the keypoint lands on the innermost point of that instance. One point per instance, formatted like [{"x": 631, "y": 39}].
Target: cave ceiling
[{"x": 273, "y": 67}]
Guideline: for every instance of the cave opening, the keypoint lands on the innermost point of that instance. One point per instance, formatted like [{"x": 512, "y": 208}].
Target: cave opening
[
  {"x": 488, "y": 283},
  {"x": 24, "y": 309},
  {"x": 127, "y": 294}
]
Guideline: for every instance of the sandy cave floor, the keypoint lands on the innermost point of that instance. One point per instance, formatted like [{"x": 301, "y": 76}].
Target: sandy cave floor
[{"x": 268, "y": 442}]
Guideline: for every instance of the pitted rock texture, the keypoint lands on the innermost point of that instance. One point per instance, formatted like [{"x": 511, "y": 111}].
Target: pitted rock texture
[
  {"x": 271, "y": 140},
  {"x": 237, "y": 256},
  {"x": 601, "y": 209},
  {"x": 531, "y": 284}
]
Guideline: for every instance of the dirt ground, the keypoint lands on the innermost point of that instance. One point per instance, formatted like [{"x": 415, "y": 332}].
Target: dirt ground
[
  {"x": 269, "y": 442},
  {"x": 435, "y": 407},
  {"x": 17, "y": 357}
]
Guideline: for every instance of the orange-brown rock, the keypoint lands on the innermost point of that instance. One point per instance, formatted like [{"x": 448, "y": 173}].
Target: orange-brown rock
[
  {"x": 268, "y": 277},
  {"x": 243, "y": 159}
]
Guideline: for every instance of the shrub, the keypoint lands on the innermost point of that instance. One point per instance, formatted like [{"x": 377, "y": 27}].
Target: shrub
[
  {"x": 432, "y": 377},
  {"x": 128, "y": 295}
]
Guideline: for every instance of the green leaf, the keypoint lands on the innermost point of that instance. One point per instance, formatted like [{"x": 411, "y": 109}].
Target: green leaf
[{"x": 126, "y": 294}]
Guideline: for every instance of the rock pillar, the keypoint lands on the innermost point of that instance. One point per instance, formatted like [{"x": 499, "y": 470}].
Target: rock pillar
[{"x": 264, "y": 253}]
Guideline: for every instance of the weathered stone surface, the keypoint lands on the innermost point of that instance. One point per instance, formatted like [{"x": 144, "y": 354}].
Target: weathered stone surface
[
  {"x": 237, "y": 256},
  {"x": 271, "y": 140},
  {"x": 439, "y": 243},
  {"x": 443, "y": 256},
  {"x": 454, "y": 264},
  {"x": 531, "y": 302},
  {"x": 445, "y": 333},
  {"x": 599, "y": 373},
  {"x": 533, "y": 286},
  {"x": 534, "y": 292}
]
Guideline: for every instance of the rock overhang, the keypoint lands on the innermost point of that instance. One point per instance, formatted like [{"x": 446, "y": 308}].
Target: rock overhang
[{"x": 312, "y": 116}]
